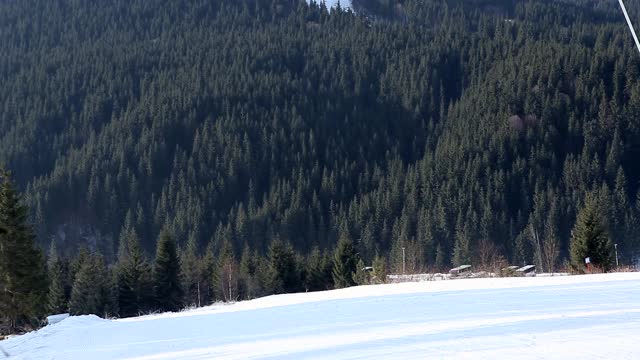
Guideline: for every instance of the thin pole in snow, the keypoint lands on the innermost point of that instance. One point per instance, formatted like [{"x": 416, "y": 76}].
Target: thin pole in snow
[
  {"x": 403, "y": 261},
  {"x": 633, "y": 31}
]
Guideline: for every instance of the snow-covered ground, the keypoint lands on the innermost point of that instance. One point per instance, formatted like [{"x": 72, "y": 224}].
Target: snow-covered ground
[{"x": 567, "y": 317}]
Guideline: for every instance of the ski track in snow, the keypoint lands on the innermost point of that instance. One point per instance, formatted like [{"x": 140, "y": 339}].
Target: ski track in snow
[{"x": 585, "y": 317}]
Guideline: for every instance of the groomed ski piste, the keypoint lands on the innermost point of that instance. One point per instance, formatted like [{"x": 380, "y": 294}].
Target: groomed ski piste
[{"x": 564, "y": 317}]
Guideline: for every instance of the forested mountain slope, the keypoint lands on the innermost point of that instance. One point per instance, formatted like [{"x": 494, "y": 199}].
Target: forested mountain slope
[{"x": 473, "y": 128}]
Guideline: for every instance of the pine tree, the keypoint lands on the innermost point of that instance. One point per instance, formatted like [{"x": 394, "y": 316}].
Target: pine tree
[
  {"x": 379, "y": 275},
  {"x": 250, "y": 286},
  {"x": 89, "y": 294},
  {"x": 344, "y": 262},
  {"x": 56, "y": 298},
  {"x": 133, "y": 276},
  {"x": 207, "y": 272},
  {"x": 167, "y": 288},
  {"x": 22, "y": 267},
  {"x": 190, "y": 269},
  {"x": 361, "y": 275},
  {"x": 285, "y": 276},
  {"x": 461, "y": 249},
  {"x": 327, "y": 270},
  {"x": 590, "y": 238},
  {"x": 315, "y": 279}
]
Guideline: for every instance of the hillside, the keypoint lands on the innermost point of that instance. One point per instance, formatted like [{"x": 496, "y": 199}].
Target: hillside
[
  {"x": 585, "y": 317},
  {"x": 471, "y": 128}
]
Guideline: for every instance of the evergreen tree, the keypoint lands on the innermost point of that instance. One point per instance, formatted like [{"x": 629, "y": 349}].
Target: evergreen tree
[
  {"x": 251, "y": 285},
  {"x": 226, "y": 277},
  {"x": 167, "y": 289},
  {"x": 399, "y": 156},
  {"x": 56, "y": 298},
  {"x": 285, "y": 275},
  {"x": 133, "y": 276},
  {"x": 361, "y": 275},
  {"x": 590, "y": 238},
  {"x": 462, "y": 250},
  {"x": 89, "y": 294},
  {"x": 23, "y": 285},
  {"x": 344, "y": 262},
  {"x": 379, "y": 275},
  {"x": 315, "y": 279},
  {"x": 207, "y": 273},
  {"x": 190, "y": 269}
]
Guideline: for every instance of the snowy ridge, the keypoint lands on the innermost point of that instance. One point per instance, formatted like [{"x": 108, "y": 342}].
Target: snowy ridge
[
  {"x": 332, "y": 3},
  {"x": 587, "y": 317}
]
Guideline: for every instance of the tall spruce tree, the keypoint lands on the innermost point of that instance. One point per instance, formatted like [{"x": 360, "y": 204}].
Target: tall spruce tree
[
  {"x": 315, "y": 279},
  {"x": 133, "y": 276},
  {"x": 90, "y": 292},
  {"x": 284, "y": 272},
  {"x": 590, "y": 238},
  {"x": 23, "y": 285},
  {"x": 190, "y": 267},
  {"x": 379, "y": 275},
  {"x": 251, "y": 285},
  {"x": 208, "y": 269},
  {"x": 167, "y": 288},
  {"x": 344, "y": 262},
  {"x": 461, "y": 249},
  {"x": 56, "y": 298}
]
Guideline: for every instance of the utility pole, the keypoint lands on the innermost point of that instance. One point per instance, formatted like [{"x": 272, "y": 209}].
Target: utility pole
[
  {"x": 615, "y": 246},
  {"x": 403, "y": 262},
  {"x": 633, "y": 31}
]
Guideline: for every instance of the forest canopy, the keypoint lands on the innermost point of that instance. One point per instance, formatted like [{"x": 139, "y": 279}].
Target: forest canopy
[{"x": 463, "y": 129}]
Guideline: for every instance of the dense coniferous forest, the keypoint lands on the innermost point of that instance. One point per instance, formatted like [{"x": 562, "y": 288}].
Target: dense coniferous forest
[{"x": 275, "y": 146}]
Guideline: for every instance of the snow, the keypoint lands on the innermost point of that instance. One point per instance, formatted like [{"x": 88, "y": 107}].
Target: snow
[
  {"x": 54, "y": 319},
  {"x": 554, "y": 317},
  {"x": 333, "y": 3}
]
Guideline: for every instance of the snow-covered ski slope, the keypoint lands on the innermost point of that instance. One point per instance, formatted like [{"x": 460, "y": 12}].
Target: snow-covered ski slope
[{"x": 569, "y": 317}]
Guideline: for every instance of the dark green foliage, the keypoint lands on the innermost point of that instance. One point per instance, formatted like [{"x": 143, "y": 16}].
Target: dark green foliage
[
  {"x": 254, "y": 275},
  {"x": 462, "y": 245},
  {"x": 23, "y": 285},
  {"x": 315, "y": 279},
  {"x": 134, "y": 277},
  {"x": 167, "y": 288},
  {"x": 344, "y": 262},
  {"x": 90, "y": 293},
  {"x": 379, "y": 275},
  {"x": 191, "y": 268},
  {"x": 590, "y": 238},
  {"x": 361, "y": 276},
  {"x": 57, "y": 301},
  {"x": 285, "y": 274},
  {"x": 207, "y": 292},
  {"x": 226, "y": 275},
  {"x": 438, "y": 126}
]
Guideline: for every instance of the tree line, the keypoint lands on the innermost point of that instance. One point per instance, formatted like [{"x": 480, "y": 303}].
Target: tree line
[
  {"x": 175, "y": 279},
  {"x": 461, "y": 131},
  {"x": 32, "y": 285}
]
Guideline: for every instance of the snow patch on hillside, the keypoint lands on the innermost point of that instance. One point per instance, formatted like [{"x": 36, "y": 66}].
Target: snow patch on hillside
[{"x": 333, "y": 3}]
